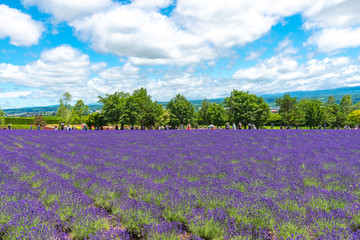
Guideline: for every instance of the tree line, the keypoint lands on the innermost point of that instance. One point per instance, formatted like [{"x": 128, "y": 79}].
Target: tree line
[
  {"x": 313, "y": 113},
  {"x": 138, "y": 109}
]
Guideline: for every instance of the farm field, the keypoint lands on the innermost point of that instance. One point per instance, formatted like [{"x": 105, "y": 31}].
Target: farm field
[{"x": 248, "y": 184}]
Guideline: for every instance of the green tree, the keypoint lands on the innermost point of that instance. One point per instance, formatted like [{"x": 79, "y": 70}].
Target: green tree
[
  {"x": 65, "y": 109},
  {"x": 95, "y": 120},
  {"x": 181, "y": 111},
  {"x": 141, "y": 109},
  {"x": 298, "y": 115},
  {"x": 81, "y": 109},
  {"x": 288, "y": 110},
  {"x": 314, "y": 112},
  {"x": 332, "y": 109},
  {"x": 216, "y": 114},
  {"x": 246, "y": 108},
  {"x": 357, "y": 106},
  {"x": 39, "y": 121},
  {"x": 354, "y": 117},
  {"x": 274, "y": 118},
  {"x": 2, "y": 120},
  {"x": 164, "y": 117},
  {"x": 346, "y": 104},
  {"x": 346, "y": 107},
  {"x": 203, "y": 113},
  {"x": 114, "y": 108}
]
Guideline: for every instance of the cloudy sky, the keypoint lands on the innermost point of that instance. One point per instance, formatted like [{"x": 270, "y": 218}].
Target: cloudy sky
[{"x": 199, "y": 48}]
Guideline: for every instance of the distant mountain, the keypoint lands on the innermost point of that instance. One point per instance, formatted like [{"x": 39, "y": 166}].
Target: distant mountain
[
  {"x": 269, "y": 98},
  {"x": 46, "y": 109},
  {"x": 321, "y": 95}
]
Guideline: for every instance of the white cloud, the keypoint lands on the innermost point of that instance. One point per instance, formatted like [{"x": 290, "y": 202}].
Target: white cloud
[
  {"x": 336, "y": 25},
  {"x": 19, "y": 27},
  {"x": 41, "y": 94},
  {"x": 333, "y": 14},
  {"x": 255, "y": 55},
  {"x": 147, "y": 38},
  {"x": 231, "y": 23},
  {"x": 282, "y": 73},
  {"x": 66, "y": 10},
  {"x": 332, "y": 39},
  {"x": 55, "y": 68},
  {"x": 65, "y": 69},
  {"x": 153, "y": 4},
  {"x": 14, "y": 94},
  {"x": 98, "y": 67},
  {"x": 196, "y": 31},
  {"x": 193, "y": 87},
  {"x": 125, "y": 72}
]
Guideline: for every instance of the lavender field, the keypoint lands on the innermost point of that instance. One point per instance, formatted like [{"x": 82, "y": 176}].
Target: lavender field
[{"x": 259, "y": 184}]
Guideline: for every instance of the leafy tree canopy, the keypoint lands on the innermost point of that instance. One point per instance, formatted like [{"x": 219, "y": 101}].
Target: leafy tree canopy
[
  {"x": 81, "y": 109},
  {"x": 288, "y": 110},
  {"x": 69, "y": 114},
  {"x": 181, "y": 111},
  {"x": 114, "y": 107},
  {"x": 314, "y": 112},
  {"x": 354, "y": 117},
  {"x": 140, "y": 109},
  {"x": 216, "y": 114},
  {"x": 246, "y": 108},
  {"x": 203, "y": 113},
  {"x": 95, "y": 120}
]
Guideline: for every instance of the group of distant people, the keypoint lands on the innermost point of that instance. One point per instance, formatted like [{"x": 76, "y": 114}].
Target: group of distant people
[{"x": 240, "y": 126}]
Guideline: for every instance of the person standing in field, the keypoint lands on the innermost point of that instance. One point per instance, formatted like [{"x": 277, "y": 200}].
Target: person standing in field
[
  {"x": 240, "y": 125},
  {"x": 188, "y": 126},
  {"x": 234, "y": 126},
  {"x": 31, "y": 127}
]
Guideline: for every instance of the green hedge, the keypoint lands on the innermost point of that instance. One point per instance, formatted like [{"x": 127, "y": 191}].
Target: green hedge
[
  {"x": 30, "y": 120},
  {"x": 52, "y": 119}
]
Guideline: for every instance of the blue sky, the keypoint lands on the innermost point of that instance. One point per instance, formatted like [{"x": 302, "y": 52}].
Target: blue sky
[{"x": 202, "y": 48}]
